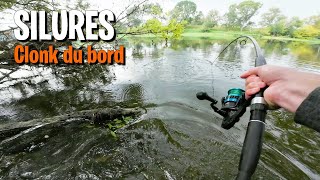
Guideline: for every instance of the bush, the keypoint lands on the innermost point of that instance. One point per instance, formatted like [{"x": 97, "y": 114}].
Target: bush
[
  {"x": 307, "y": 32},
  {"x": 264, "y": 31},
  {"x": 207, "y": 26}
]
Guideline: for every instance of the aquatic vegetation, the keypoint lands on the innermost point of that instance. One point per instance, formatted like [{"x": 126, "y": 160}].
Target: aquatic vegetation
[{"x": 118, "y": 123}]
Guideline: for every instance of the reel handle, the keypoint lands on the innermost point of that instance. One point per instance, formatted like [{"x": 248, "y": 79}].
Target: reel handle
[{"x": 205, "y": 96}]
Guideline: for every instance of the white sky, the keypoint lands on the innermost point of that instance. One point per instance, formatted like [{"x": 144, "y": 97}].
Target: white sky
[
  {"x": 289, "y": 8},
  {"x": 300, "y": 8}
]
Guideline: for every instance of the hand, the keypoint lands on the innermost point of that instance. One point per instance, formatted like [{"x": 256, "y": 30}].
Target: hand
[{"x": 287, "y": 87}]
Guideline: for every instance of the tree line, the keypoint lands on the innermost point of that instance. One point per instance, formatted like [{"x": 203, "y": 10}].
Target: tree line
[
  {"x": 145, "y": 17},
  {"x": 239, "y": 17}
]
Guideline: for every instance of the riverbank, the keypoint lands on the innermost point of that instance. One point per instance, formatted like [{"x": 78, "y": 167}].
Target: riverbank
[{"x": 229, "y": 35}]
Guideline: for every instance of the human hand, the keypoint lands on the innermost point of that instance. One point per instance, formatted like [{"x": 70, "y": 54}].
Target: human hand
[{"x": 287, "y": 87}]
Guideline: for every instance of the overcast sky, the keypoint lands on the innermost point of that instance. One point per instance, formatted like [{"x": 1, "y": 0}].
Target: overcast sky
[
  {"x": 300, "y": 8},
  {"x": 290, "y": 8}
]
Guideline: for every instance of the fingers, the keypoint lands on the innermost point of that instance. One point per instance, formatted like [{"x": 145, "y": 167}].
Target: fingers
[
  {"x": 252, "y": 71},
  {"x": 252, "y": 78},
  {"x": 255, "y": 80},
  {"x": 253, "y": 85},
  {"x": 250, "y": 92},
  {"x": 267, "y": 73},
  {"x": 256, "y": 85},
  {"x": 253, "y": 88}
]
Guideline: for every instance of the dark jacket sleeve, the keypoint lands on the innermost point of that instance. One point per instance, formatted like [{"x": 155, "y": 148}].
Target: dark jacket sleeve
[{"x": 308, "y": 113}]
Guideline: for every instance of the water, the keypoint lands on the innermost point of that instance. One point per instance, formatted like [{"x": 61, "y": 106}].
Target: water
[{"x": 178, "y": 138}]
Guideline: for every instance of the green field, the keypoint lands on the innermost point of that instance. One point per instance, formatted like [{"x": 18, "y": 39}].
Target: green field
[
  {"x": 220, "y": 34},
  {"x": 231, "y": 34}
]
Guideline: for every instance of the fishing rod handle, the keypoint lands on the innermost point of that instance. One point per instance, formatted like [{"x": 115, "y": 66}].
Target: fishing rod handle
[{"x": 252, "y": 145}]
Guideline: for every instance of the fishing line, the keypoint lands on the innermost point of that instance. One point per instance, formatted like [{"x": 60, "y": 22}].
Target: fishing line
[
  {"x": 242, "y": 43},
  {"x": 234, "y": 106}
]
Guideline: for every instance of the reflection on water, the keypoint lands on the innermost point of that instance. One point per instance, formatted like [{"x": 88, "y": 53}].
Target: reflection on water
[{"x": 179, "y": 137}]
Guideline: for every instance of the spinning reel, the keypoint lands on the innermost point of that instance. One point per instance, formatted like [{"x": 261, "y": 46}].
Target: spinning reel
[{"x": 233, "y": 106}]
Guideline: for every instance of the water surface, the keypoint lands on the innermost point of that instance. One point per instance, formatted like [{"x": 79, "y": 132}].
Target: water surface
[{"x": 178, "y": 138}]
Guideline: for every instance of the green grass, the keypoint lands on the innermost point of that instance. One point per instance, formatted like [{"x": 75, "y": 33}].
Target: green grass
[
  {"x": 197, "y": 32},
  {"x": 313, "y": 41},
  {"x": 214, "y": 35},
  {"x": 220, "y": 34}
]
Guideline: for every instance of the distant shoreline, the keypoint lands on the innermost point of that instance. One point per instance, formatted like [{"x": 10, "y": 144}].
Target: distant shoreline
[{"x": 229, "y": 35}]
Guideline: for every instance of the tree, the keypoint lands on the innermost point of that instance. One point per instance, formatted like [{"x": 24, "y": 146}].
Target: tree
[
  {"x": 135, "y": 19},
  {"x": 198, "y": 19},
  {"x": 132, "y": 19},
  {"x": 314, "y": 21},
  {"x": 279, "y": 28},
  {"x": 184, "y": 11},
  {"x": 212, "y": 19},
  {"x": 239, "y": 15},
  {"x": 82, "y": 5},
  {"x": 152, "y": 21},
  {"x": 136, "y": 13},
  {"x": 313, "y": 27},
  {"x": 293, "y": 25},
  {"x": 271, "y": 17},
  {"x": 307, "y": 32},
  {"x": 172, "y": 30},
  {"x": 37, "y": 5},
  {"x": 277, "y": 23},
  {"x": 6, "y": 4}
]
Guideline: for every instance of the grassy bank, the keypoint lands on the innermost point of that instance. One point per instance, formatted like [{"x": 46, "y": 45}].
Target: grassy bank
[
  {"x": 231, "y": 34},
  {"x": 220, "y": 34}
]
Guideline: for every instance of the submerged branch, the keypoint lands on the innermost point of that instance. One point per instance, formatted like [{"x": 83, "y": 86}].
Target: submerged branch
[{"x": 96, "y": 116}]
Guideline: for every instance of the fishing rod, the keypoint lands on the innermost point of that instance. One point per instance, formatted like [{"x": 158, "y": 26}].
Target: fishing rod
[{"x": 234, "y": 106}]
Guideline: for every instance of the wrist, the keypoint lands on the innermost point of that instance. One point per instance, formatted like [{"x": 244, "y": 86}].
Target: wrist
[{"x": 292, "y": 98}]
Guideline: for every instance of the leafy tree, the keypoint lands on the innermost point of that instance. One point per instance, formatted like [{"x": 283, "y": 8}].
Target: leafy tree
[
  {"x": 155, "y": 10},
  {"x": 198, "y": 19},
  {"x": 37, "y": 5},
  {"x": 239, "y": 15},
  {"x": 312, "y": 29},
  {"x": 271, "y": 17},
  {"x": 184, "y": 11},
  {"x": 131, "y": 21},
  {"x": 157, "y": 24},
  {"x": 172, "y": 30},
  {"x": 293, "y": 25},
  {"x": 82, "y": 5},
  {"x": 135, "y": 19},
  {"x": 307, "y": 32},
  {"x": 136, "y": 13},
  {"x": 277, "y": 23},
  {"x": 6, "y": 4},
  {"x": 314, "y": 21},
  {"x": 212, "y": 19},
  {"x": 153, "y": 26},
  {"x": 279, "y": 28}
]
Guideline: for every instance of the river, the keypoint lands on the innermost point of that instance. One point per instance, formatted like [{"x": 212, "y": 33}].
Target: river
[{"x": 179, "y": 137}]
